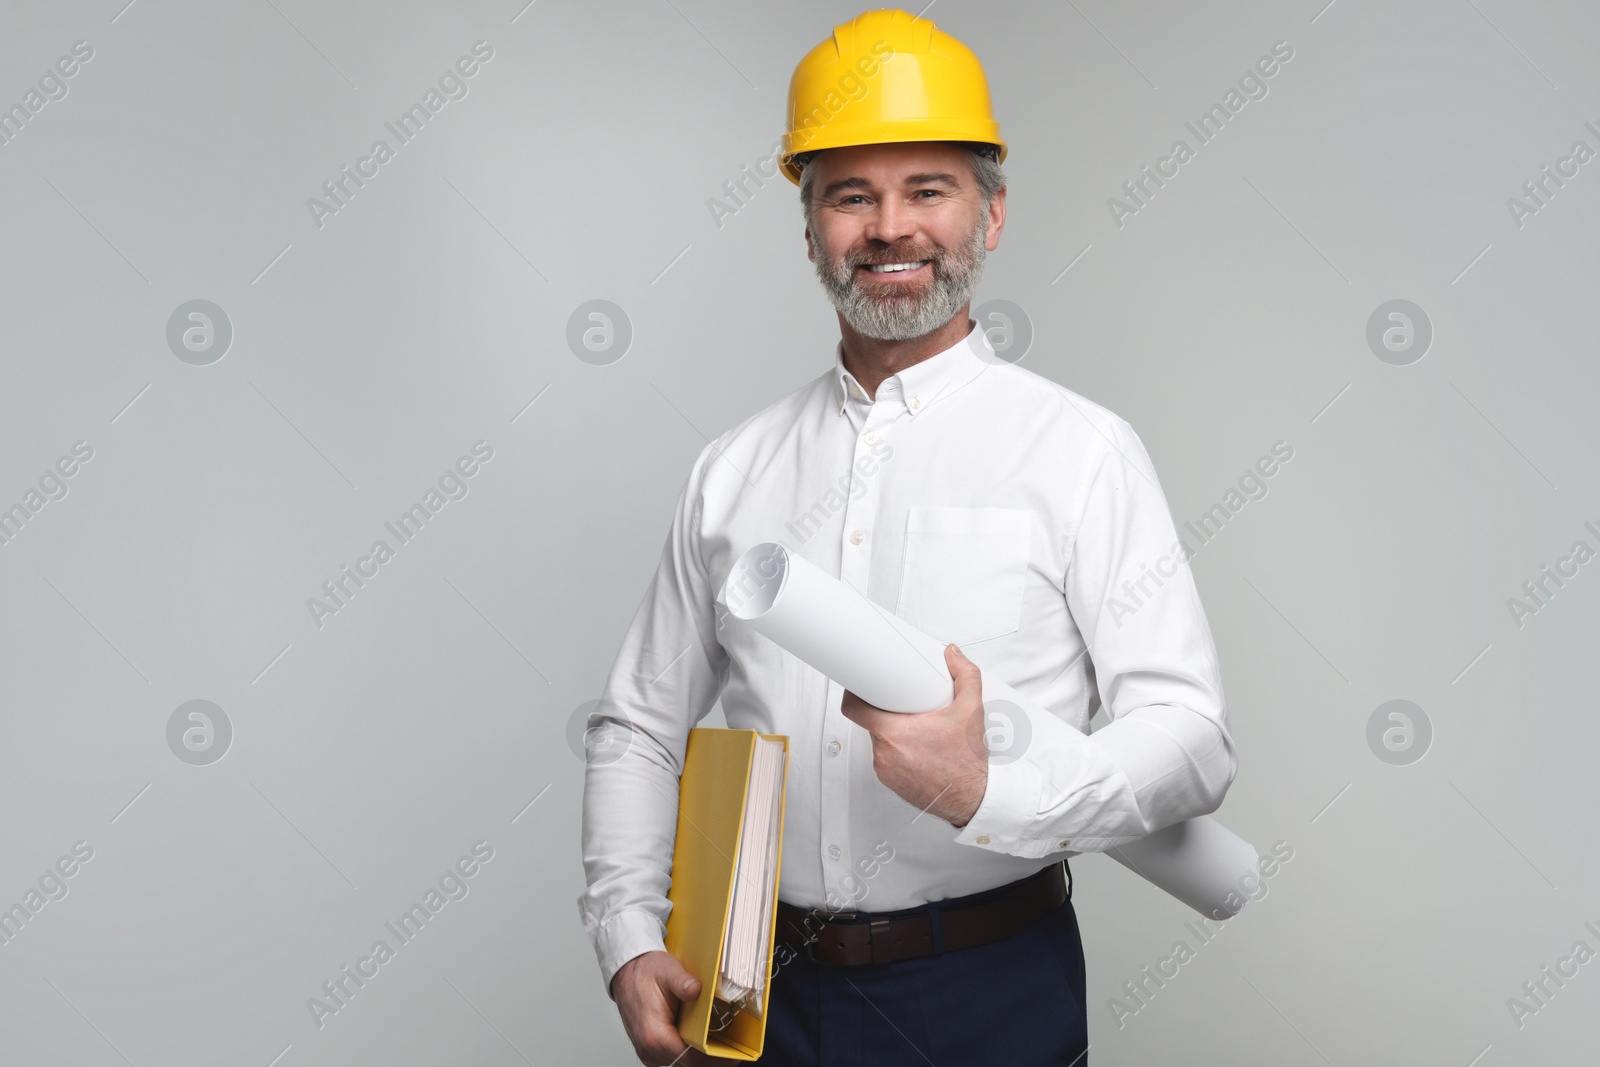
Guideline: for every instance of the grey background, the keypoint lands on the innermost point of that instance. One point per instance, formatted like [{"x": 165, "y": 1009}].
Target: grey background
[{"x": 431, "y": 711}]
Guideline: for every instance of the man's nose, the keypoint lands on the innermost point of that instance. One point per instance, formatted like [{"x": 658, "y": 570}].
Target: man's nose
[{"x": 892, "y": 221}]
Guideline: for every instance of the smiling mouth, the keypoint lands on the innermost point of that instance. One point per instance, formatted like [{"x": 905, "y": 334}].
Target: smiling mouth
[
  {"x": 889, "y": 276},
  {"x": 895, "y": 268}
]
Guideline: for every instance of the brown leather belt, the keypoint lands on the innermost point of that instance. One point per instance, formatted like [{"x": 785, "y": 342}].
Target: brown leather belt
[{"x": 851, "y": 938}]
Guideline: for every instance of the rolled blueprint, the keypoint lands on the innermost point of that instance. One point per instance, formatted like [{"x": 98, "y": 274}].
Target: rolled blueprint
[{"x": 893, "y": 665}]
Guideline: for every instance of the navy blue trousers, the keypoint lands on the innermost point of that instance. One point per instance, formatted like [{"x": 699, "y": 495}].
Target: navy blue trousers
[{"x": 1018, "y": 1002}]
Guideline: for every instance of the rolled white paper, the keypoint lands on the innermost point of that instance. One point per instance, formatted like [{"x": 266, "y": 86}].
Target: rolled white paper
[{"x": 893, "y": 665}]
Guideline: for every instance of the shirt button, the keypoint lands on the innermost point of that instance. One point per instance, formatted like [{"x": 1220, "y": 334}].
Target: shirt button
[
  {"x": 982, "y": 839},
  {"x": 856, "y": 537},
  {"x": 1067, "y": 842},
  {"x": 871, "y": 438},
  {"x": 834, "y": 852},
  {"x": 916, "y": 403},
  {"x": 834, "y": 746}
]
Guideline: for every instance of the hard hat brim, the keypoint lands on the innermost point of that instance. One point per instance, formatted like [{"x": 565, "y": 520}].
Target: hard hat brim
[{"x": 792, "y": 162}]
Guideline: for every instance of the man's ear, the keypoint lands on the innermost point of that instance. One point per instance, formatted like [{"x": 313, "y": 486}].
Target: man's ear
[
  {"x": 997, "y": 220},
  {"x": 811, "y": 249}
]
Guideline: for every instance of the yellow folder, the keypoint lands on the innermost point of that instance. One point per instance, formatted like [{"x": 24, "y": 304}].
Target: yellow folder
[{"x": 711, "y": 798}]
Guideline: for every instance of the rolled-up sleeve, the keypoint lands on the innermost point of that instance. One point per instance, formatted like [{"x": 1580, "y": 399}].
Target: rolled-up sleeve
[
  {"x": 667, "y": 675},
  {"x": 1166, "y": 755}
]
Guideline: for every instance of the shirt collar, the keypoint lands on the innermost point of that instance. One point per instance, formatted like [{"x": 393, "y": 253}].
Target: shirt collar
[{"x": 921, "y": 384}]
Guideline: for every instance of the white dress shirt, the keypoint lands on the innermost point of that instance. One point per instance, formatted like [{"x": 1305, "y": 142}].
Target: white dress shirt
[{"x": 986, "y": 505}]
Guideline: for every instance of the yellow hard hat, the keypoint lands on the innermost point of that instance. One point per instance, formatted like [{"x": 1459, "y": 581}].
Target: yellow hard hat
[{"x": 884, "y": 77}]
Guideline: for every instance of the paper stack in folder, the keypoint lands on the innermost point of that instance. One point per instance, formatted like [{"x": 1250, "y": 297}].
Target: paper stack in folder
[
  {"x": 724, "y": 892},
  {"x": 755, "y": 878}
]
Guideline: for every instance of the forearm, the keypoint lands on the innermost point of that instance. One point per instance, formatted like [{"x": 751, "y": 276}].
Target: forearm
[
  {"x": 629, "y": 827},
  {"x": 1154, "y": 766}
]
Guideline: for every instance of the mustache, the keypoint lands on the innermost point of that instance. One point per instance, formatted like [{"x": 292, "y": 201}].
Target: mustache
[{"x": 860, "y": 258}]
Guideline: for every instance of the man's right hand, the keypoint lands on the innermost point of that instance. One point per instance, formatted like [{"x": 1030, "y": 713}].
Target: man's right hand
[{"x": 648, "y": 990}]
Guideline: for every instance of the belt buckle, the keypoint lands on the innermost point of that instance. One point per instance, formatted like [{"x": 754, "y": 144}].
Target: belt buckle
[{"x": 809, "y": 951}]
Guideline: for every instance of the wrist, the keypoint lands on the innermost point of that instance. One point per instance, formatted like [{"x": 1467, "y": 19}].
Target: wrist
[
  {"x": 623, "y": 972},
  {"x": 968, "y": 797}
]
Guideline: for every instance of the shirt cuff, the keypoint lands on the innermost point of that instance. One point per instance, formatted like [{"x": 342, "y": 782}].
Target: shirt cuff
[
  {"x": 624, "y": 936},
  {"x": 1007, "y": 816},
  {"x": 1026, "y": 812}
]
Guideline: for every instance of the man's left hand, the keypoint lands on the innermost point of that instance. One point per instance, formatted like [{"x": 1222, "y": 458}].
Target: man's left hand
[{"x": 938, "y": 760}]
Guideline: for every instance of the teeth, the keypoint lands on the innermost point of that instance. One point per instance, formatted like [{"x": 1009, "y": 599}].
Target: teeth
[{"x": 887, "y": 268}]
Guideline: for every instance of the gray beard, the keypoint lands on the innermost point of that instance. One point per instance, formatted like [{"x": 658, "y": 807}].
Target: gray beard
[{"x": 900, "y": 318}]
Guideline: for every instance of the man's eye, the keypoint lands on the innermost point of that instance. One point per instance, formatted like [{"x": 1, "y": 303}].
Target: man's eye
[
  {"x": 930, "y": 192},
  {"x": 848, "y": 199}
]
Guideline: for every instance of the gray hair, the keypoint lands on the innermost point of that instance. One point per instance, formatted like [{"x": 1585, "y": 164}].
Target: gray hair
[{"x": 985, "y": 170}]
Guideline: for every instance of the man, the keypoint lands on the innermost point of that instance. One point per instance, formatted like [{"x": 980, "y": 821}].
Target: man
[{"x": 925, "y": 915}]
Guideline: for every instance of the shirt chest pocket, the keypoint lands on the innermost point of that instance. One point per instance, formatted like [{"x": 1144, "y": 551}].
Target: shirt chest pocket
[{"x": 962, "y": 575}]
